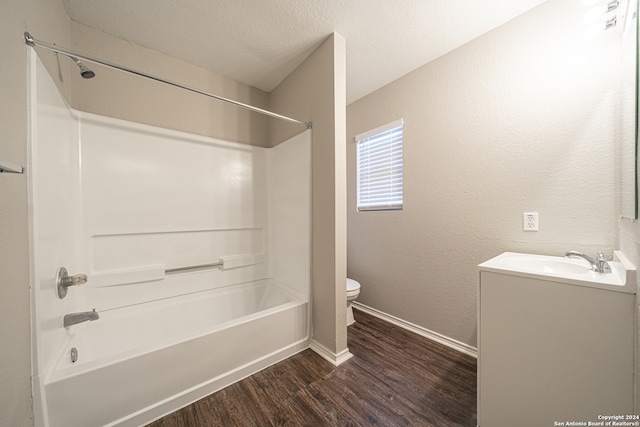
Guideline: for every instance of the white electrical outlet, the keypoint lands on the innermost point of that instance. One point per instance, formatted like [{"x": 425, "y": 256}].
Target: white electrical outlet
[{"x": 530, "y": 221}]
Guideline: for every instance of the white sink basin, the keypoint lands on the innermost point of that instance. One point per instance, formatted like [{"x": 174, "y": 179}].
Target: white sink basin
[
  {"x": 566, "y": 270},
  {"x": 552, "y": 265}
]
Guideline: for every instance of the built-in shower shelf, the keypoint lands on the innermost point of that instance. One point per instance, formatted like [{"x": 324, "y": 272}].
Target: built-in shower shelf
[
  {"x": 158, "y": 272},
  {"x": 9, "y": 167}
]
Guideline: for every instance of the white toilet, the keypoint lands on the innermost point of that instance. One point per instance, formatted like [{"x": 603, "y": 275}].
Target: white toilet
[{"x": 353, "y": 290}]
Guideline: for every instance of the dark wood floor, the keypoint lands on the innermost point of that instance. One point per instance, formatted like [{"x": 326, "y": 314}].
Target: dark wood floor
[{"x": 396, "y": 378}]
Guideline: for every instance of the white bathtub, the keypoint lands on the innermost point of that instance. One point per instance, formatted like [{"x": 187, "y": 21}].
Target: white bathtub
[{"x": 138, "y": 363}]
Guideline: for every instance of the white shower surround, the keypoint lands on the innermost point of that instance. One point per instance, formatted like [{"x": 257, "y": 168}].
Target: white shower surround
[{"x": 121, "y": 202}]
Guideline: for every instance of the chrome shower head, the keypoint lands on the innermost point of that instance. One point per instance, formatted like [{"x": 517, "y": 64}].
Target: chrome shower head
[{"x": 84, "y": 71}]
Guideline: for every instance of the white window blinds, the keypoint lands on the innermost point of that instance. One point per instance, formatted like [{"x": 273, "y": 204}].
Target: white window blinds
[{"x": 379, "y": 169}]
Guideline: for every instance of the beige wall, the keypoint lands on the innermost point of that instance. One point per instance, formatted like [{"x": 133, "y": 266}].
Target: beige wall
[
  {"x": 45, "y": 20},
  {"x": 514, "y": 121},
  {"x": 316, "y": 91},
  {"x": 117, "y": 94}
]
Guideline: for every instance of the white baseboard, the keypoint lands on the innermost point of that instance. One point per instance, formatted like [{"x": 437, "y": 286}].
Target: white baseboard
[
  {"x": 325, "y": 353},
  {"x": 434, "y": 336}
]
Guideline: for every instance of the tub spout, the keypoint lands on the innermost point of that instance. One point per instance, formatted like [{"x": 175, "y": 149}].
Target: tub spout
[{"x": 75, "y": 318}]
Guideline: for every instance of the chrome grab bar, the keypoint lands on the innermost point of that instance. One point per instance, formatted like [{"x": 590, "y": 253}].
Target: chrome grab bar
[{"x": 194, "y": 267}]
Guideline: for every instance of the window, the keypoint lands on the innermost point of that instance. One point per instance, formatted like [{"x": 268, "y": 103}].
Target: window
[{"x": 379, "y": 168}]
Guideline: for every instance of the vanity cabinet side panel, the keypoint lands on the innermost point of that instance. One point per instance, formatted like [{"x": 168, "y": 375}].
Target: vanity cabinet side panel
[{"x": 551, "y": 352}]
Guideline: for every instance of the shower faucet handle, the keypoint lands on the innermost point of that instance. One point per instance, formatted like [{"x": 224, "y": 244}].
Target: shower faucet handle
[
  {"x": 63, "y": 281},
  {"x": 77, "y": 279}
]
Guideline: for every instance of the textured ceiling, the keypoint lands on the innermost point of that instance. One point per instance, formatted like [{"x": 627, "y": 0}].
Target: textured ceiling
[{"x": 260, "y": 42}]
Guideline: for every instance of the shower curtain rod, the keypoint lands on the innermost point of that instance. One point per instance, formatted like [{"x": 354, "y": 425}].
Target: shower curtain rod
[{"x": 29, "y": 40}]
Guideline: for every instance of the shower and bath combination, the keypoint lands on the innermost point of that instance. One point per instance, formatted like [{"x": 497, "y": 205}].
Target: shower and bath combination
[{"x": 231, "y": 280}]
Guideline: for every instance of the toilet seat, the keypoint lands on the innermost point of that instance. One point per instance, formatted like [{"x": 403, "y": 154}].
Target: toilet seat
[{"x": 353, "y": 288}]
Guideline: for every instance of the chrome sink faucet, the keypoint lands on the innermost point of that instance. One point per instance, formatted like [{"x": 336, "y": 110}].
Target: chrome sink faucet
[
  {"x": 75, "y": 318},
  {"x": 599, "y": 265}
]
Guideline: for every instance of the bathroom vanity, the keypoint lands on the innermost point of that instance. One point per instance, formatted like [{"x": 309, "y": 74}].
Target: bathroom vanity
[{"x": 556, "y": 341}]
